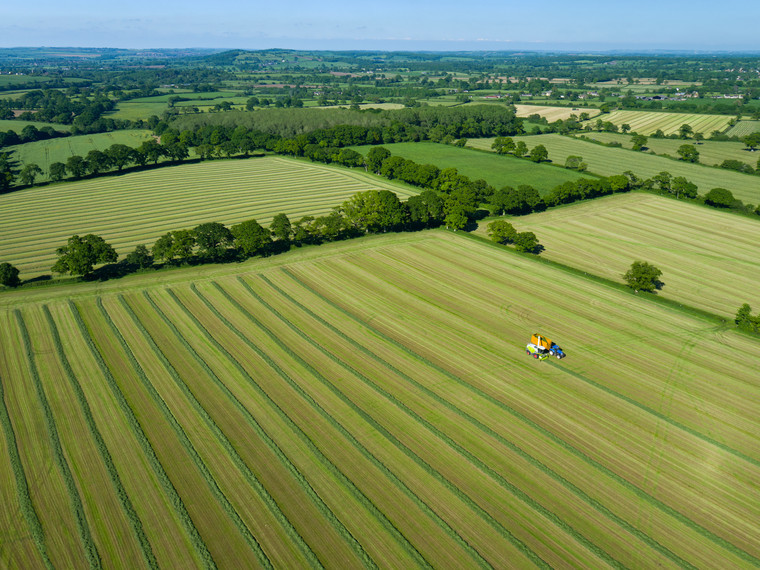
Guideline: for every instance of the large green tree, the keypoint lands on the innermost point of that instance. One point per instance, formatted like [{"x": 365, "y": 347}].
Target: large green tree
[
  {"x": 29, "y": 173},
  {"x": 501, "y": 231},
  {"x": 720, "y": 198},
  {"x": 643, "y": 277},
  {"x": 213, "y": 239},
  {"x": 688, "y": 152},
  {"x": 80, "y": 254},
  {"x": 251, "y": 238},
  {"x": 57, "y": 171},
  {"x": 539, "y": 153},
  {"x": 281, "y": 228},
  {"x": 9, "y": 275},
  {"x": 526, "y": 242}
]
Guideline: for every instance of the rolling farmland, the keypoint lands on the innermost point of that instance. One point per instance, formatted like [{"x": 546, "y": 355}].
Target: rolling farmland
[
  {"x": 712, "y": 153},
  {"x": 137, "y": 208},
  {"x": 44, "y": 153},
  {"x": 497, "y": 170},
  {"x": 709, "y": 259},
  {"x": 744, "y": 128},
  {"x": 647, "y": 122},
  {"x": 607, "y": 161},
  {"x": 369, "y": 403}
]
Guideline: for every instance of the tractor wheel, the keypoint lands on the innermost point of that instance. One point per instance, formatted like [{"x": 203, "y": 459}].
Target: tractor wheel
[
  {"x": 559, "y": 357},
  {"x": 527, "y": 352},
  {"x": 535, "y": 356}
]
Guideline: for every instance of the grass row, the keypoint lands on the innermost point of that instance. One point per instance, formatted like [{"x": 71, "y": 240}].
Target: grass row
[
  {"x": 380, "y": 428},
  {"x": 102, "y": 448},
  {"x": 421, "y": 504},
  {"x": 83, "y": 527},
  {"x": 344, "y": 480},
  {"x": 323, "y": 508},
  {"x": 442, "y": 436},
  {"x": 26, "y": 504},
  {"x": 178, "y": 429},
  {"x": 597, "y": 465},
  {"x": 166, "y": 484},
  {"x": 482, "y": 427}
]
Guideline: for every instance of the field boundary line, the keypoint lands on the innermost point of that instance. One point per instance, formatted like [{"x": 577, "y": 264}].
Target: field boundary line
[
  {"x": 641, "y": 493},
  {"x": 121, "y": 493},
  {"x": 477, "y": 423},
  {"x": 350, "y": 485},
  {"x": 166, "y": 484},
  {"x": 313, "y": 495},
  {"x": 83, "y": 527},
  {"x": 390, "y": 437},
  {"x": 22, "y": 486},
  {"x": 239, "y": 462},
  {"x": 176, "y": 426}
]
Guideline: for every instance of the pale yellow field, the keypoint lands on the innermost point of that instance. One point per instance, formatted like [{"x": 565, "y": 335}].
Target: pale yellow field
[{"x": 554, "y": 113}]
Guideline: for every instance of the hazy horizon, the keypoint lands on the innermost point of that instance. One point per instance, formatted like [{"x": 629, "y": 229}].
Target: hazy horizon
[{"x": 445, "y": 25}]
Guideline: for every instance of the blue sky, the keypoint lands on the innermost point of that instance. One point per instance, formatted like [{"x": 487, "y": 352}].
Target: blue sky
[{"x": 391, "y": 24}]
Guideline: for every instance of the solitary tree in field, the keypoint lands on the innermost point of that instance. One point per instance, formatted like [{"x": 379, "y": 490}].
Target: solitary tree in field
[
  {"x": 643, "y": 277},
  {"x": 9, "y": 275},
  {"x": 80, "y": 254},
  {"x": 688, "y": 152},
  {"x": 720, "y": 198},
  {"x": 501, "y": 232},
  {"x": 574, "y": 162},
  {"x": 751, "y": 141},
  {"x": 639, "y": 142}
]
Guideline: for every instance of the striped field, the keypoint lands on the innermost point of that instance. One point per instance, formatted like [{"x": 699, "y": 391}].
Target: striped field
[
  {"x": 552, "y": 114},
  {"x": 709, "y": 259},
  {"x": 138, "y": 208},
  {"x": 607, "y": 161},
  {"x": 369, "y": 403},
  {"x": 744, "y": 128},
  {"x": 647, "y": 122}
]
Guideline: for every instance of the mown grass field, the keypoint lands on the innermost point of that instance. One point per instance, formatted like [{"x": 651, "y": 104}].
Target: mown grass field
[
  {"x": 18, "y": 126},
  {"x": 554, "y": 113},
  {"x": 710, "y": 152},
  {"x": 709, "y": 259},
  {"x": 44, "y": 153},
  {"x": 369, "y": 403},
  {"x": 647, "y": 122},
  {"x": 743, "y": 128},
  {"x": 137, "y": 208},
  {"x": 607, "y": 161},
  {"x": 497, "y": 170}
]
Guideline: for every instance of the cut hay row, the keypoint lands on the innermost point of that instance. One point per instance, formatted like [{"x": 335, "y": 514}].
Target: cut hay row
[
  {"x": 219, "y": 472},
  {"x": 139, "y": 207},
  {"x": 262, "y": 526},
  {"x": 376, "y": 303},
  {"x": 109, "y": 356},
  {"x": 369, "y": 403},
  {"x": 208, "y": 507},
  {"x": 418, "y": 439},
  {"x": 116, "y": 544},
  {"x": 332, "y": 540},
  {"x": 389, "y": 545},
  {"x": 647, "y": 122},
  {"x": 607, "y": 161},
  {"x": 345, "y": 406},
  {"x": 511, "y": 455},
  {"x": 709, "y": 259},
  {"x": 61, "y": 532},
  {"x": 744, "y": 128}
]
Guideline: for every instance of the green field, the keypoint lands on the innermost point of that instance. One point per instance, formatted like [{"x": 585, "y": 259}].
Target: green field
[
  {"x": 743, "y": 128},
  {"x": 709, "y": 259},
  {"x": 552, "y": 114},
  {"x": 369, "y": 403},
  {"x": 647, "y": 122},
  {"x": 18, "y": 126},
  {"x": 497, "y": 170},
  {"x": 139, "y": 207},
  {"x": 710, "y": 152},
  {"x": 44, "y": 153},
  {"x": 607, "y": 161}
]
